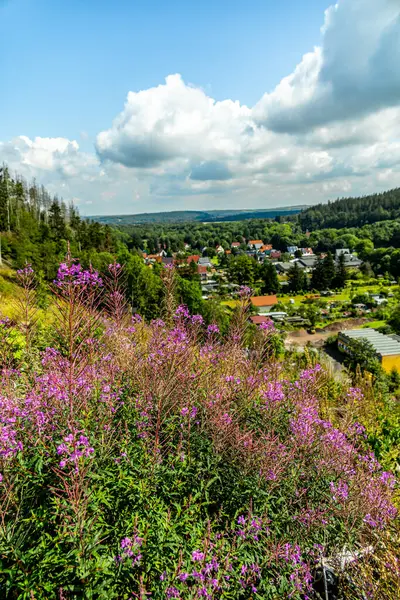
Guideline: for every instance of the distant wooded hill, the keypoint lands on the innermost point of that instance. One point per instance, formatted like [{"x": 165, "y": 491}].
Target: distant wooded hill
[
  {"x": 352, "y": 212},
  {"x": 197, "y": 216},
  {"x": 341, "y": 213}
]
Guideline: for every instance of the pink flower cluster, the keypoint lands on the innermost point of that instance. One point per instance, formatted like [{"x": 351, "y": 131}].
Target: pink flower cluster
[
  {"x": 74, "y": 273},
  {"x": 73, "y": 449}
]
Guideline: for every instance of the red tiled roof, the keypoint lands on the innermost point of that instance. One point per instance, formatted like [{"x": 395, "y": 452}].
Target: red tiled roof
[
  {"x": 201, "y": 269},
  {"x": 235, "y": 244},
  {"x": 258, "y": 319},
  {"x": 255, "y": 242},
  {"x": 193, "y": 258},
  {"x": 264, "y": 300}
]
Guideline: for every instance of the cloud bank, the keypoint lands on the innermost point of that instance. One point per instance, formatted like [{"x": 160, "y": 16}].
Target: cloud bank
[{"x": 330, "y": 128}]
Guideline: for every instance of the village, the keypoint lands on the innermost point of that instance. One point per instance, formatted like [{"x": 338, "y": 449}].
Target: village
[{"x": 310, "y": 317}]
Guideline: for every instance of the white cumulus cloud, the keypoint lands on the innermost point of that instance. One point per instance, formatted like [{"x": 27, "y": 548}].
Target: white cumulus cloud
[
  {"x": 171, "y": 121},
  {"x": 355, "y": 72},
  {"x": 331, "y": 127}
]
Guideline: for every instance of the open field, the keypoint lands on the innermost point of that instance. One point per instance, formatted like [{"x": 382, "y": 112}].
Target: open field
[{"x": 344, "y": 296}]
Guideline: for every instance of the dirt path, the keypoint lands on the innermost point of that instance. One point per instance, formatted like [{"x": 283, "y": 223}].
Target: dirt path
[{"x": 301, "y": 337}]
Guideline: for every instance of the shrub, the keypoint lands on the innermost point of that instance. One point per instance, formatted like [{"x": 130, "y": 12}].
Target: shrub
[{"x": 162, "y": 460}]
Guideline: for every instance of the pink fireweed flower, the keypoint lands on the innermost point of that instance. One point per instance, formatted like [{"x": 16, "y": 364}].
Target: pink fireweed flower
[
  {"x": 340, "y": 490},
  {"x": 274, "y": 392},
  {"x": 267, "y": 325},
  {"x": 9, "y": 443},
  {"x": 72, "y": 450},
  {"x": 182, "y": 311},
  {"x": 114, "y": 268},
  {"x": 26, "y": 271},
  {"x": 227, "y": 419},
  {"x": 211, "y": 329},
  {"x": 76, "y": 275},
  {"x": 197, "y": 320},
  {"x": 245, "y": 291},
  {"x": 197, "y": 555},
  {"x": 309, "y": 374}
]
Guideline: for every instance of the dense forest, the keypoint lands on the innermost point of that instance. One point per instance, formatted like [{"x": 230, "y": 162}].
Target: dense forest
[
  {"x": 352, "y": 212},
  {"x": 35, "y": 227}
]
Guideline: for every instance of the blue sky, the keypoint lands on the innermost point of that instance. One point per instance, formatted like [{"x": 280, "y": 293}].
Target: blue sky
[{"x": 326, "y": 130}]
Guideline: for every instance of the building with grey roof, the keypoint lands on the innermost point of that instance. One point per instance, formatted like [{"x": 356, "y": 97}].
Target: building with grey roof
[{"x": 387, "y": 348}]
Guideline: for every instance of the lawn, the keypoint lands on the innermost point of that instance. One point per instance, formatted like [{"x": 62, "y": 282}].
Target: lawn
[
  {"x": 374, "y": 324},
  {"x": 230, "y": 303},
  {"x": 343, "y": 296}
]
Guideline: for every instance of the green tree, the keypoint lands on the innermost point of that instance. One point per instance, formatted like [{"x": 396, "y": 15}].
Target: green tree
[
  {"x": 329, "y": 269},
  {"x": 340, "y": 278},
  {"x": 361, "y": 353},
  {"x": 323, "y": 273},
  {"x": 394, "y": 320},
  {"x": 318, "y": 281},
  {"x": 189, "y": 293},
  {"x": 394, "y": 380},
  {"x": 297, "y": 278},
  {"x": 311, "y": 313},
  {"x": 269, "y": 276},
  {"x": 242, "y": 269}
]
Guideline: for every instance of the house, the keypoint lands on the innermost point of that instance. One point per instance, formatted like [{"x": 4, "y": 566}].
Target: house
[
  {"x": 283, "y": 267},
  {"x": 193, "y": 258},
  {"x": 235, "y": 245},
  {"x": 278, "y": 316},
  {"x": 275, "y": 254},
  {"x": 258, "y": 319},
  {"x": 152, "y": 258},
  {"x": 209, "y": 287},
  {"x": 387, "y": 348},
  {"x": 351, "y": 261},
  {"x": 295, "y": 320},
  {"x": 256, "y": 244},
  {"x": 266, "y": 248},
  {"x": 264, "y": 303},
  {"x": 340, "y": 251},
  {"x": 306, "y": 251},
  {"x": 307, "y": 262},
  {"x": 219, "y": 250},
  {"x": 378, "y": 300},
  {"x": 167, "y": 260},
  {"x": 202, "y": 271},
  {"x": 205, "y": 261},
  {"x": 292, "y": 249}
]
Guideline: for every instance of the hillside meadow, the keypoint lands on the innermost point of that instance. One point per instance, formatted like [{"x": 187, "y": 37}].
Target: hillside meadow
[{"x": 164, "y": 460}]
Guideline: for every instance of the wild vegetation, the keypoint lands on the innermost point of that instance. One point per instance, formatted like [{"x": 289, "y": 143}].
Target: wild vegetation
[{"x": 165, "y": 460}]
